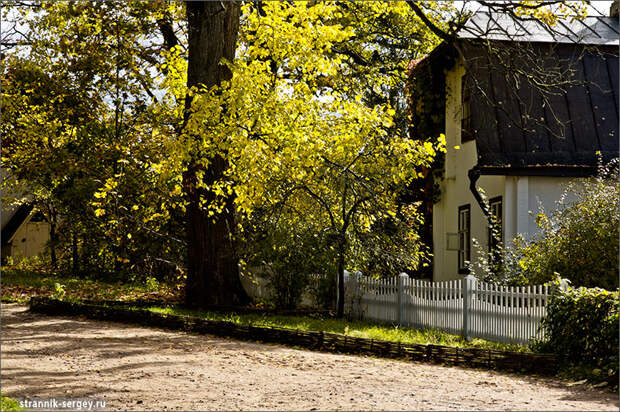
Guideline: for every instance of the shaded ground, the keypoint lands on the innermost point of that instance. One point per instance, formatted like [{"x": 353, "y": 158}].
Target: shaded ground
[
  {"x": 19, "y": 285},
  {"x": 142, "y": 368}
]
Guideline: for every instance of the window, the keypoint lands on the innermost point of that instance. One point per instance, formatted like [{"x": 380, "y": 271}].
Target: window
[
  {"x": 496, "y": 232},
  {"x": 466, "y": 130},
  {"x": 464, "y": 238}
]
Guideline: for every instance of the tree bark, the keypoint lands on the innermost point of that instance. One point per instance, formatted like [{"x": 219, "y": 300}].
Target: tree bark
[
  {"x": 75, "y": 255},
  {"x": 212, "y": 272}
]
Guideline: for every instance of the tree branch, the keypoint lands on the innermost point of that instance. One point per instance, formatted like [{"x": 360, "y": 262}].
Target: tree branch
[{"x": 432, "y": 26}]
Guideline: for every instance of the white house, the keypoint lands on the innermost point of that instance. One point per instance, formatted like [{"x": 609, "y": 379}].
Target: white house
[{"x": 510, "y": 142}]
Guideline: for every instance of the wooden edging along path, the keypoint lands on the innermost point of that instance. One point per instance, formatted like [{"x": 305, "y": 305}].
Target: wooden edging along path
[{"x": 323, "y": 341}]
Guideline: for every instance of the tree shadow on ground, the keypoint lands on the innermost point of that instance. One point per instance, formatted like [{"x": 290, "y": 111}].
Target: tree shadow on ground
[{"x": 73, "y": 342}]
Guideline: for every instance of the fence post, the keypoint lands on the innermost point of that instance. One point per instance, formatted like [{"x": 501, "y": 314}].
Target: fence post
[
  {"x": 468, "y": 286},
  {"x": 353, "y": 293},
  {"x": 346, "y": 281},
  {"x": 357, "y": 275},
  {"x": 401, "y": 300}
]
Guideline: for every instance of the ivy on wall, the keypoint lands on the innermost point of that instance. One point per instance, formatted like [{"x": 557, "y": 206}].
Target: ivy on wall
[{"x": 426, "y": 97}]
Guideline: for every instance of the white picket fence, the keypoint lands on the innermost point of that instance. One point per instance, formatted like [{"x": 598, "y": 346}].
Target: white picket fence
[{"x": 467, "y": 306}]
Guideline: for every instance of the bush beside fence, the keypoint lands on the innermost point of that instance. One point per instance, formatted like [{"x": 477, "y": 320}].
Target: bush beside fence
[{"x": 582, "y": 327}]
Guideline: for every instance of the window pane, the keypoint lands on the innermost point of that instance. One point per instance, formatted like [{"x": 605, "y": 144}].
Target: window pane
[{"x": 464, "y": 237}]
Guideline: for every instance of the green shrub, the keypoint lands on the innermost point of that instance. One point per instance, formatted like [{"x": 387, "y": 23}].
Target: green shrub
[
  {"x": 288, "y": 284},
  {"x": 322, "y": 289},
  {"x": 582, "y": 327},
  {"x": 9, "y": 404},
  {"x": 578, "y": 241},
  {"x": 293, "y": 258}
]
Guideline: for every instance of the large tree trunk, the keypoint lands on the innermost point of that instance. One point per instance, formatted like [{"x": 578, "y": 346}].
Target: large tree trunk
[
  {"x": 212, "y": 272},
  {"x": 75, "y": 255}
]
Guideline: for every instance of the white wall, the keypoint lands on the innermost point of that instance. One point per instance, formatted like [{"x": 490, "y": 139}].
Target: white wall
[
  {"x": 526, "y": 196},
  {"x": 460, "y": 158},
  {"x": 29, "y": 240}
]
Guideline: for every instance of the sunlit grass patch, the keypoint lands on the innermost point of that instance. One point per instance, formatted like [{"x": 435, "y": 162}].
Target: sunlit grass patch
[{"x": 9, "y": 404}]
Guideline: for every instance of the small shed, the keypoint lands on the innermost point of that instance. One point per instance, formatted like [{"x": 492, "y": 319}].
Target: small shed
[{"x": 25, "y": 233}]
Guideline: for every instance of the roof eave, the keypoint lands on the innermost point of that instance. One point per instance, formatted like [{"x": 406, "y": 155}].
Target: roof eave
[{"x": 539, "y": 170}]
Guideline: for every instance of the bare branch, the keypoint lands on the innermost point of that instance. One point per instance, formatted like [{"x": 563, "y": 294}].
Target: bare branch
[{"x": 432, "y": 26}]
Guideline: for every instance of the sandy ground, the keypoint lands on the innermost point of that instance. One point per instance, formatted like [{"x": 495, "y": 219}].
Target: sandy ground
[{"x": 136, "y": 368}]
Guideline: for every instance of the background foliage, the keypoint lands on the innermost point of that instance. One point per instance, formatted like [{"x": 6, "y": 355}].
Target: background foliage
[
  {"x": 313, "y": 127},
  {"x": 81, "y": 141},
  {"x": 577, "y": 241}
]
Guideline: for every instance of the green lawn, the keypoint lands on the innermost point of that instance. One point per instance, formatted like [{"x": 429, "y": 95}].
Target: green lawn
[
  {"x": 363, "y": 329},
  {"x": 8, "y": 404},
  {"x": 19, "y": 285}
]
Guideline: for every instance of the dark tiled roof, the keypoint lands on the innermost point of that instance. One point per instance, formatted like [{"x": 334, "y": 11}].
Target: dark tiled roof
[
  {"x": 15, "y": 222},
  {"x": 596, "y": 30},
  {"x": 575, "y": 126},
  {"x": 516, "y": 126}
]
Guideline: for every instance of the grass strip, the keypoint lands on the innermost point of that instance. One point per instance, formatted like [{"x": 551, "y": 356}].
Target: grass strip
[
  {"x": 315, "y": 340},
  {"x": 355, "y": 328}
]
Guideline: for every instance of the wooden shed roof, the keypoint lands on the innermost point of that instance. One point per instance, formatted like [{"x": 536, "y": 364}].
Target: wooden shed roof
[{"x": 16, "y": 221}]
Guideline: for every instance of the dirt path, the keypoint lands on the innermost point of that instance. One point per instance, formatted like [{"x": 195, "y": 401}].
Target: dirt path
[{"x": 142, "y": 368}]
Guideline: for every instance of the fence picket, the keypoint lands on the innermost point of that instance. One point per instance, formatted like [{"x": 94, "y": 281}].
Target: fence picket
[
  {"x": 514, "y": 312},
  {"x": 526, "y": 313},
  {"x": 537, "y": 312},
  {"x": 522, "y": 310},
  {"x": 442, "y": 305},
  {"x": 529, "y": 310},
  {"x": 487, "y": 302}
]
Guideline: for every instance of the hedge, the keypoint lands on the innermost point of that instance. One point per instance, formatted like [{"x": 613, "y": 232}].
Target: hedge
[{"x": 582, "y": 328}]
